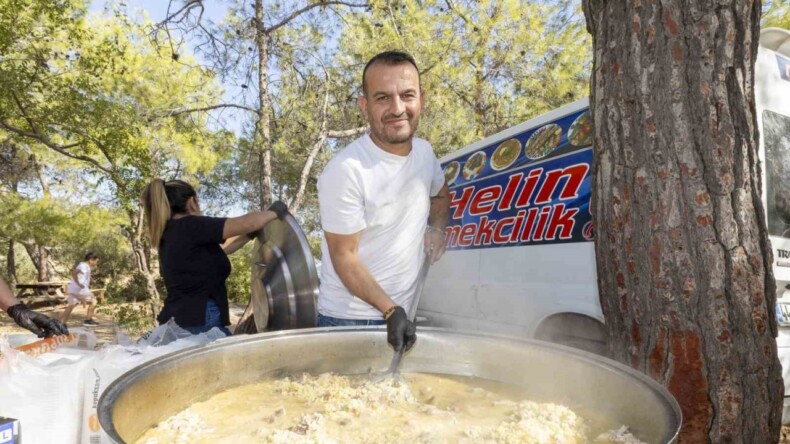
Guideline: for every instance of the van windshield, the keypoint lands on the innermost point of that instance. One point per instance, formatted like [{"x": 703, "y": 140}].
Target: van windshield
[{"x": 776, "y": 139}]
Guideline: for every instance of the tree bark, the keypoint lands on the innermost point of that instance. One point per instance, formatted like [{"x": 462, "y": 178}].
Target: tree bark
[
  {"x": 141, "y": 259},
  {"x": 44, "y": 274},
  {"x": 43, "y": 264},
  {"x": 683, "y": 256},
  {"x": 32, "y": 252},
  {"x": 11, "y": 264},
  {"x": 263, "y": 138}
]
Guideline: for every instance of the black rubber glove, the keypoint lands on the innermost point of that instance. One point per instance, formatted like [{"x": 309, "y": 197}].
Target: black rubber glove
[
  {"x": 401, "y": 332},
  {"x": 43, "y": 326},
  {"x": 280, "y": 208}
]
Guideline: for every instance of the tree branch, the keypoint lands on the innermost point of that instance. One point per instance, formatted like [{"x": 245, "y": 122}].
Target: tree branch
[
  {"x": 308, "y": 164},
  {"x": 340, "y": 134},
  {"x": 186, "y": 8},
  {"x": 299, "y": 12},
  {"x": 62, "y": 149},
  {"x": 209, "y": 108}
]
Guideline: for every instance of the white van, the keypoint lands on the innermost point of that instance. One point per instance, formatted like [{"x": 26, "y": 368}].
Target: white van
[{"x": 520, "y": 256}]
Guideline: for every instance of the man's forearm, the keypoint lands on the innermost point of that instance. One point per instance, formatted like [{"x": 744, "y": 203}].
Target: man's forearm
[
  {"x": 440, "y": 209},
  {"x": 358, "y": 280}
]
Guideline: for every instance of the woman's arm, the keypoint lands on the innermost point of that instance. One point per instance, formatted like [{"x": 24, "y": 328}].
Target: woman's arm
[
  {"x": 234, "y": 244},
  {"x": 252, "y": 222},
  {"x": 248, "y": 223}
]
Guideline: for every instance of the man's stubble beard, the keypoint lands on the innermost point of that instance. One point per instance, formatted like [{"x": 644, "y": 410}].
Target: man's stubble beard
[{"x": 399, "y": 139}]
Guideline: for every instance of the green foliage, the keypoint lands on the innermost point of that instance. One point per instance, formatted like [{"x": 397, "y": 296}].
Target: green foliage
[
  {"x": 88, "y": 96},
  {"x": 135, "y": 319},
  {"x": 133, "y": 289},
  {"x": 103, "y": 104},
  {"x": 486, "y": 65},
  {"x": 777, "y": 14},
  {"x": 238, "y": 283}
]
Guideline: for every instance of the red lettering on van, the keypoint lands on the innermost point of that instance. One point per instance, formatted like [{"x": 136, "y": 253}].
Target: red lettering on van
[
  {"x": 483, "y": 202},
  {"x": 562, "y": 220},
  {"x": 530, "y": 184},
  {"x": 574, "y": 176},
  {"x": 467, "y": 235},
  {"x": 499, "y": 238},
  {"x": 460, "y": 203},
  {"x": 485, "y": 228},
  {"x": 510, "y": 192},
  {"x": 453, "y": 235}
]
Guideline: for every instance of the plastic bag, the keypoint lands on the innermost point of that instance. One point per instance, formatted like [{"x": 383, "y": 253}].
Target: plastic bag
[
  {"x": 116, "y": 360},
  {"x": 44, "y": 393},
  {"x": 55, "y": 395}
]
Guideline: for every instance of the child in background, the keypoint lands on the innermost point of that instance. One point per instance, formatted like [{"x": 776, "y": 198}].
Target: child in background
[{"x": 79, "y": 290}]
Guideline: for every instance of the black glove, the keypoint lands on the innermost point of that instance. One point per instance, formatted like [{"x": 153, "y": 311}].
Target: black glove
[
  {"x": 43, "y": 326},
  {"x": 280, "y": 208},
  {"x": 401, "y": 332}
]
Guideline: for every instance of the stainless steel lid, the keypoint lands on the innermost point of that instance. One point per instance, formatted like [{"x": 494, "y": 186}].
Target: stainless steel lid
[{"x": 284, "y": 278}]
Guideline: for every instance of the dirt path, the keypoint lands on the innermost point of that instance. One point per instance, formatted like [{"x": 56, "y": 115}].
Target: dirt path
[{"x": 105, "y": 331}]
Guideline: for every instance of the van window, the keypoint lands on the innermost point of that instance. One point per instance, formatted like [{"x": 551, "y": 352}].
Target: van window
[{"x": 776, "y": 139}]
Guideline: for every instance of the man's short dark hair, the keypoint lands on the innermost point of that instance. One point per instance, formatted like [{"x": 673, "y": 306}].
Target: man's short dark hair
[
  {"x": 389, "y": 58},
  {"x": 91, "y": 256}
]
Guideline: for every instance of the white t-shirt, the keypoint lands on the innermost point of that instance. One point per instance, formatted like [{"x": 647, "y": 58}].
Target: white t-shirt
[
  {"x": 83, "y": 277},
  {"x": 387, "y": 198}
]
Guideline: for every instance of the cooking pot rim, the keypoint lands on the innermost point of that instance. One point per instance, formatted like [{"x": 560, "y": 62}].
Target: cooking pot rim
[{"x": 115, "y": 387}]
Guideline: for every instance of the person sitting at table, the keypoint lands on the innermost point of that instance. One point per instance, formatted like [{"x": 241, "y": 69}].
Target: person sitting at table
[
  {"x": 41, "y": 325},
  {"x": 79, "y": 292}
]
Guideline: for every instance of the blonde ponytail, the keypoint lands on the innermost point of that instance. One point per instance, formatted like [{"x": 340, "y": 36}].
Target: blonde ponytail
[{"x": 157, "y": 210}]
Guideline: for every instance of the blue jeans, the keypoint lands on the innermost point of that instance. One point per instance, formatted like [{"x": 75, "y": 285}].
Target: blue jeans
[
  {"x": 213, "y": 319},
  {"x": 328, "y": 321}
]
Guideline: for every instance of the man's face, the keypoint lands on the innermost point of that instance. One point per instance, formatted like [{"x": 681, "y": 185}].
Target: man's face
[
  {"x": 392, "y": 102},
  {"x": 93, "y": 262}
]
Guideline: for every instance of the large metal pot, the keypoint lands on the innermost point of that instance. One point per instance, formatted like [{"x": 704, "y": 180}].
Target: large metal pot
[{"x": 154, "y": 391}]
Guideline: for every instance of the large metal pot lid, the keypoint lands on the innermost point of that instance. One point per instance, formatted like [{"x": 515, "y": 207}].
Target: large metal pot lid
[{"x": 284, "y": 278}]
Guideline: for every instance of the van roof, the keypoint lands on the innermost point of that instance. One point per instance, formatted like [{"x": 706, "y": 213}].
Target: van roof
[
  {"x": 520, "y": 128},
  {"x": 776, "y": 39}
]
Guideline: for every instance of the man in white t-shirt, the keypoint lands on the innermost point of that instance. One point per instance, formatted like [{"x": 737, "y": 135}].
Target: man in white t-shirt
[
  {"x": 79, "y": 292},
  {"x": 383, "y": 203}
]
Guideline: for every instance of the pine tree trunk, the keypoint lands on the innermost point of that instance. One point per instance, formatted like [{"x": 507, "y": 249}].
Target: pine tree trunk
[
  {"x": 43, "y": 264},
  {"x": 683, "y": 257},
  {"x": 141, "y": 259},
  {"x": 263, "y": 138},
  {"x": 11, "y": 264}
]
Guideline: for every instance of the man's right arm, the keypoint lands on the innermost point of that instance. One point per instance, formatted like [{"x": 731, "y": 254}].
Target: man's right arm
[
  {"x": 79, "y": 277},
  {"x": 41, "y": 325},
  {"x": 343, "y": 252}
]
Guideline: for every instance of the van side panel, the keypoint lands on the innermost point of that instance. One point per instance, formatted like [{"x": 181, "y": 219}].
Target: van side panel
[
  {"x": 772, "y": 96},
  {"x": 520, "y": 230}
]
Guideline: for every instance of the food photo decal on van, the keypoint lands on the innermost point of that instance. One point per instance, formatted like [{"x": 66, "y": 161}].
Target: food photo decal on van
[
  {"x": 451, "y": 172},
  {"x": 474, "y": 165},
  {"x": 581, "y": 133},
  {"x": 516, "y": 200},
  {"x": 543, "y": 141},
  {"x": 506, "y": 153}
]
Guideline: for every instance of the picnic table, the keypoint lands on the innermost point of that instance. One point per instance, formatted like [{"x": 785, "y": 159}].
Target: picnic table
[
  {"x": 52, "y": 292},
  {"x": 47, "y": 292},
  {"x": 41, "y": 289}
]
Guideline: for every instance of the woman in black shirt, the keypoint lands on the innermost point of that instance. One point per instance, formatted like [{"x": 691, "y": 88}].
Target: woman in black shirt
[{"x": 193, "y": 252}]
